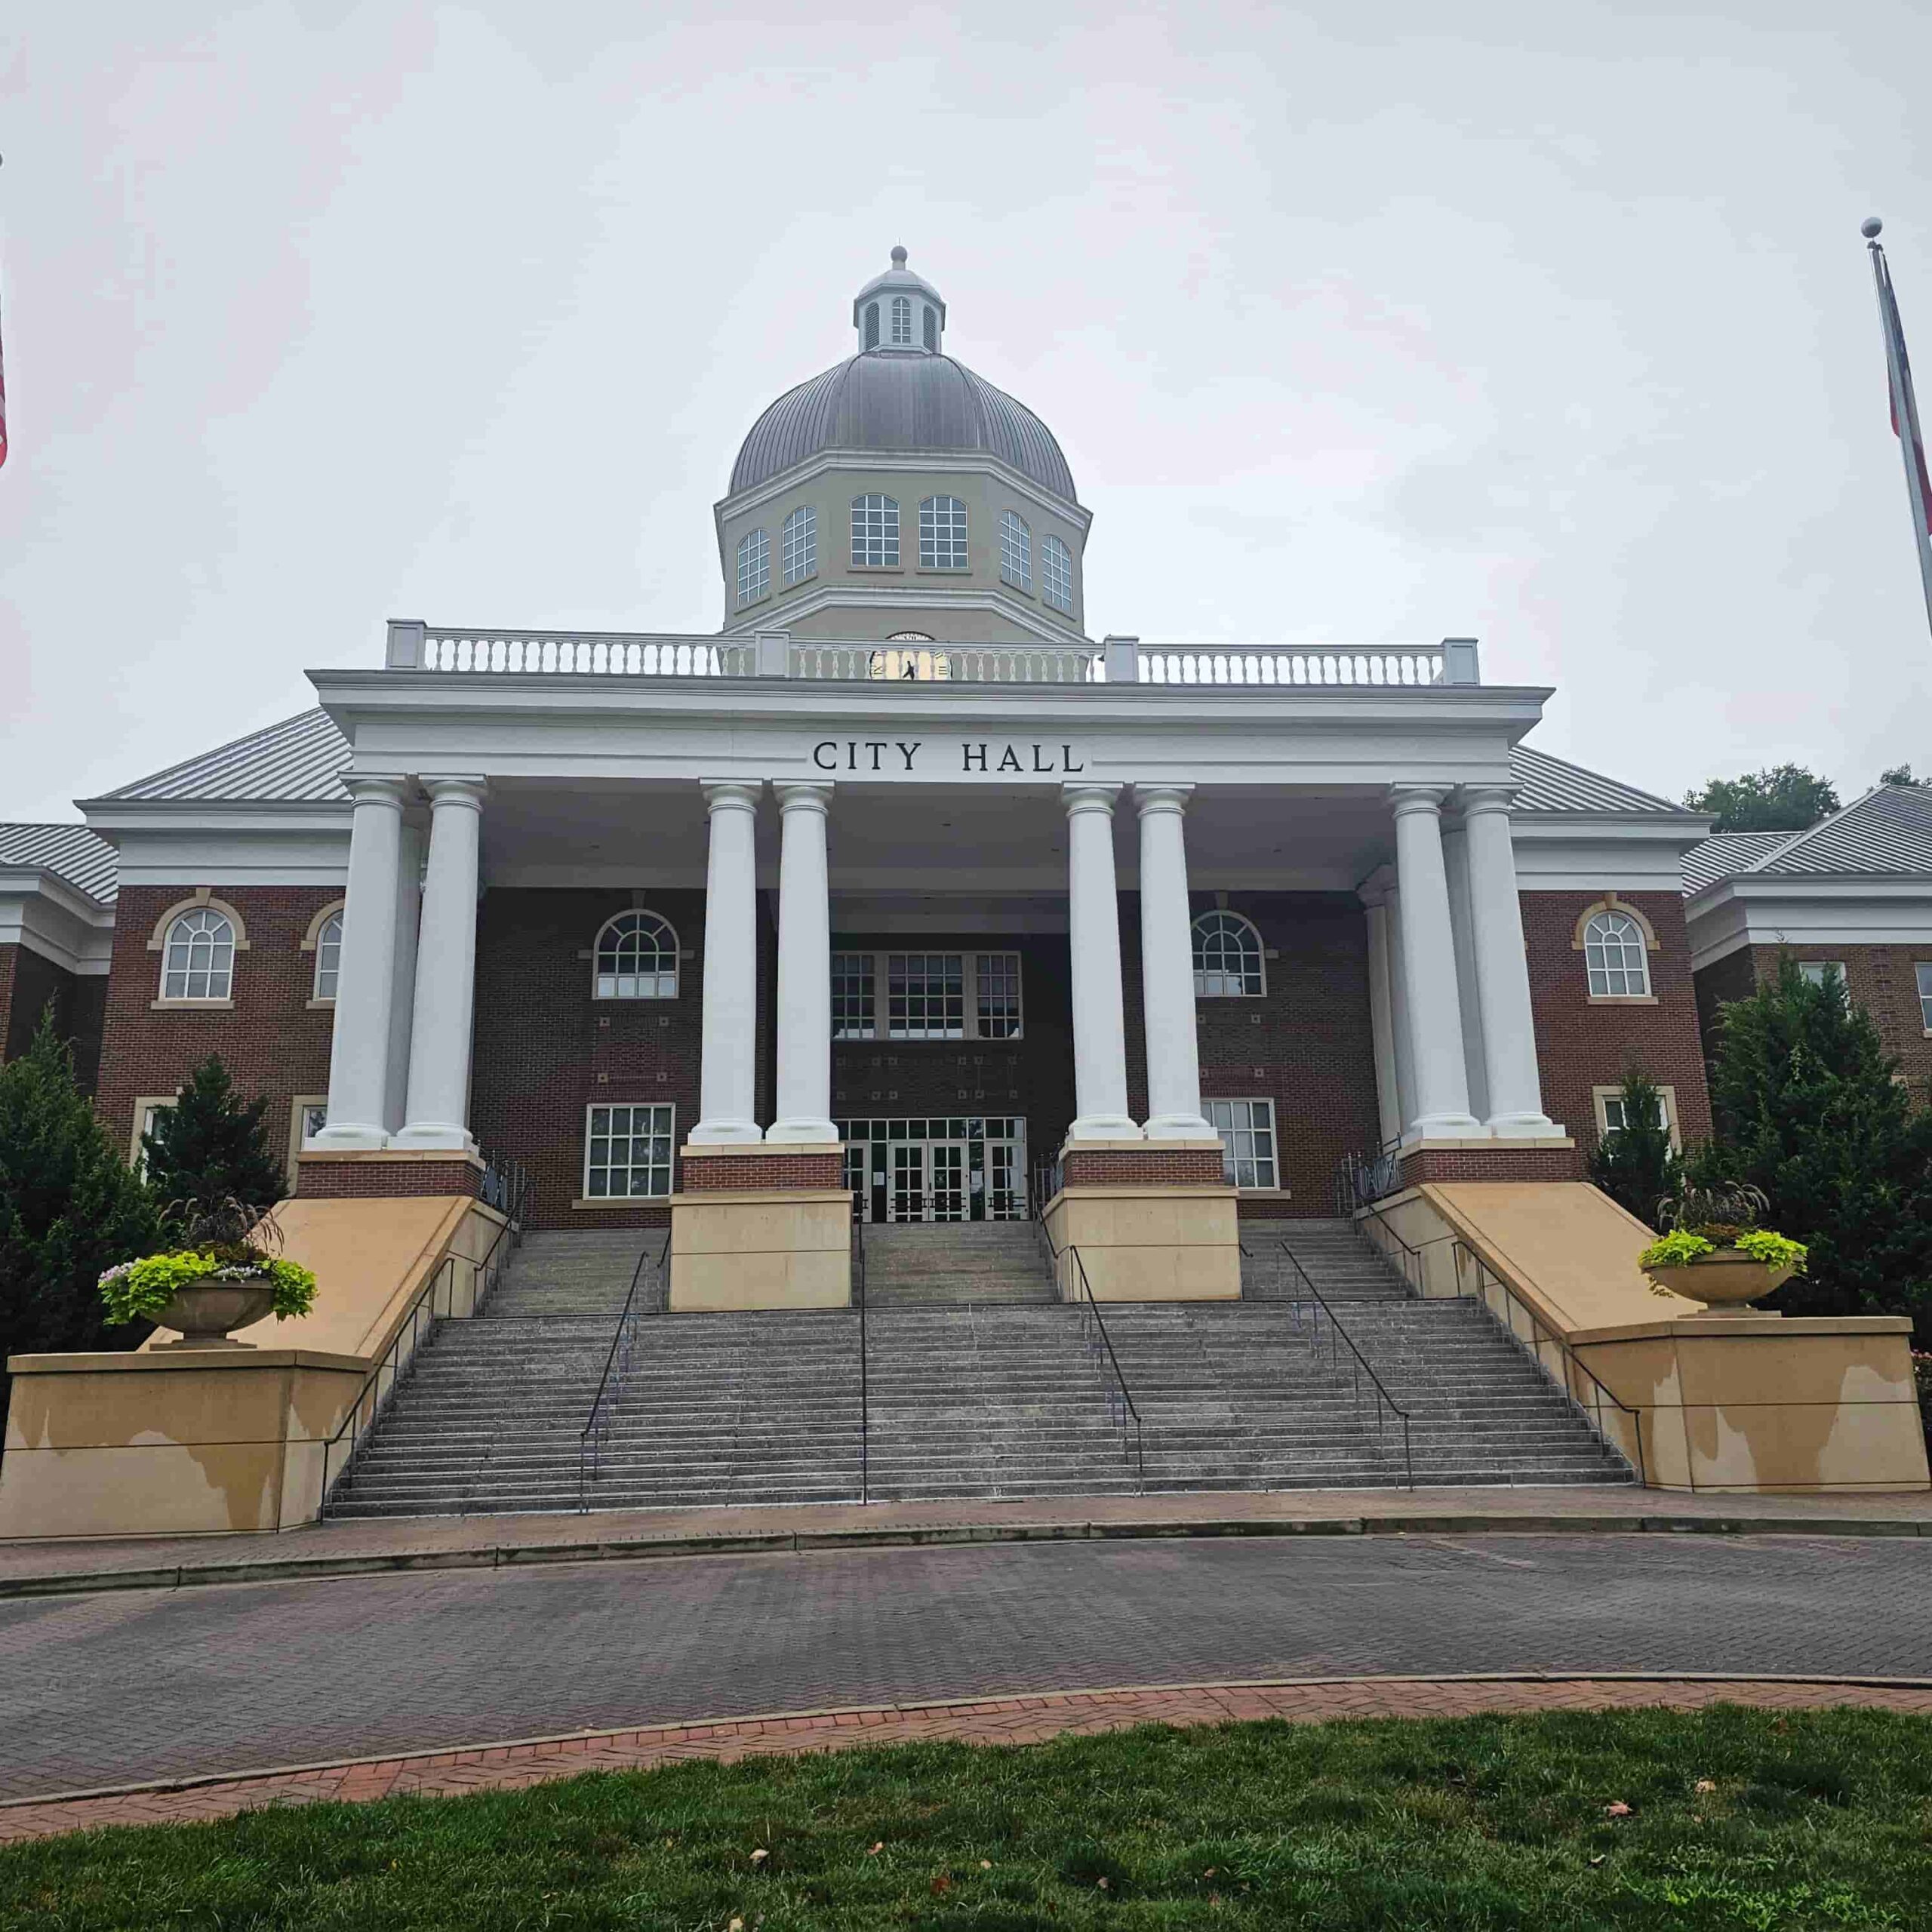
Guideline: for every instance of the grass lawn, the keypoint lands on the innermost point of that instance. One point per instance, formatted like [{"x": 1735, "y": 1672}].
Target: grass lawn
[{"x": 1736, "y": 1818}]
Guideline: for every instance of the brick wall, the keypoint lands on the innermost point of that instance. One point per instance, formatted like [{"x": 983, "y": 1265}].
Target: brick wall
[
  {"x": 271, "y": 1040},
  {"x": 336, "y": 1179},
  {"x": 1582, "y": 1045},
  {"x": 545, "y": 1049},
  {"x": 1154, "y": 1165},
  {"x": 747, "y": 1173},
  {"x": 28, "y": 980},
  {"x": 1882, "y": 979}
]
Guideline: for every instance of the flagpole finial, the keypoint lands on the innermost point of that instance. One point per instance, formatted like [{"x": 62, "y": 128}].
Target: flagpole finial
[{"x": 1870, "y": 227}]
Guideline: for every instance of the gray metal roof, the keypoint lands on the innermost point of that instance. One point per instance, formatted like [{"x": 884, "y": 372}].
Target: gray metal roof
[
  {"x": 84, "y": 860},
  {"x": 1888, "y": 830},
  {"x": 300, "y": 761},
  {"x": 1546, "y": 784},
  {"x": 1724, "y": 854},
  {"x": 888, "y": 399}
]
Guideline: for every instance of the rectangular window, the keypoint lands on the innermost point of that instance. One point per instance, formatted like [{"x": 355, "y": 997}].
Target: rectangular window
[
  {"x": 854, "y": 997},
  {"x": 943, "y": 533},
  {"x": 1925, "y": 972},
  {"x": 308, "y": 1115},
  {"x": 876, "y": 532},
  {"x": 925, "y": 996},
  {"x": 627, "y": 1152},
  {"x": 1247, "y": 1128},
  {"x": 1610, "y": 1118},
  {"x": 1815, "y": 970},
  {"x": 996, "y": 976},
  {"x": 147, "y": 1109}
]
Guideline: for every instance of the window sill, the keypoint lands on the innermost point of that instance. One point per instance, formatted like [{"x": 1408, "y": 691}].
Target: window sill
[
  {"x": 880, "y": 569},
  {"x": 1023, "y": 590},
  {"x": 792, "y": 583},
  {"x": 752, "y": 603},
  {"x": 630, "y": 999},
  {"x": 191, "y": 1006},
  {"x": 1622, "y": 999},
  {"x": 1261, "y": 1193},
  {"x": 321, "y": 1006},
  {"x": 604, "y": 1200},
  {"x": 944, "y": 569}
]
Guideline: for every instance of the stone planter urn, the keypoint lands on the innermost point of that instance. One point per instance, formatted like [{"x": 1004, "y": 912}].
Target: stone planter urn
[
  {"x": 1727, "y": 1282},
  {"x": 203, "y": 1312}
]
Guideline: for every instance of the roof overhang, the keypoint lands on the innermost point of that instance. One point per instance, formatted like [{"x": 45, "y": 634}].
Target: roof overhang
[
  {"x": 1802, "y": 910},
  {"x": 1603, "y": 851},
  {"x": 47, "y": 914}
]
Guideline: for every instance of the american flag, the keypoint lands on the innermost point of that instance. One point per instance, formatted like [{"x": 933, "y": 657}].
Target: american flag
[{"x": 1904, "y": 409}]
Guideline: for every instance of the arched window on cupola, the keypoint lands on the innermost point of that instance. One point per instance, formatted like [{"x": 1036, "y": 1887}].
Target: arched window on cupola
[
  {"x": 872, "y": 325},
  {"x": 902, "y": 322},
  {"x": 753, "y": 566}
]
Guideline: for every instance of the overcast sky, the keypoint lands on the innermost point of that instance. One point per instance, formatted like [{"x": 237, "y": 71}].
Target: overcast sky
[{"x": 1358, "y": 324}]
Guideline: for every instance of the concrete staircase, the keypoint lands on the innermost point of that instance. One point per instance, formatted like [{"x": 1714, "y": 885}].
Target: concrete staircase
[{"x": 981, "y": 1384}]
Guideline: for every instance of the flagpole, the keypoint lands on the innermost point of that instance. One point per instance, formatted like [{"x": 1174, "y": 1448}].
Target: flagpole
[{"x": 1904, "y": 405}]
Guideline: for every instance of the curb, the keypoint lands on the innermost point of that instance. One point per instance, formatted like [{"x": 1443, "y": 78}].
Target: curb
[
  {"x": 498, "y": 1556},
  {"x": 201, "y": 1780}
]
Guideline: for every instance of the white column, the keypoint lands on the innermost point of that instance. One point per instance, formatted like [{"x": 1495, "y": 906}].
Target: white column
[
  {"x": 1100, "y": 1026},
  {"x": 359, "y": 1046},
  {"x": 1502, "y": 964},
  {"x": 727, "y": 1074},
  {"x": 1382, "y": 1013},
  {"x": 1455, "y": 867},
  {"x": 445, "y": 1002},
  {"x": 1167, "y": 967},
  {"x": 804, "y": 969},
  {"x": 1428, "y": 965},
  {"x": 402, "y": 1000}
]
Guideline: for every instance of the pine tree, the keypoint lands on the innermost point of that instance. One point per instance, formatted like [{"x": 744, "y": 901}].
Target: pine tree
[
  {"x": 1809, "y": 1111},
  {"x": 70, "y": 1207},
  {"x": 211, "y": 1146},
  {"x": 1637, "y": 1166}
]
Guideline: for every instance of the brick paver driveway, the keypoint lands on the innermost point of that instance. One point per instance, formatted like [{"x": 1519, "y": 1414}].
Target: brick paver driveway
[{"x": 108, "y": 1689}]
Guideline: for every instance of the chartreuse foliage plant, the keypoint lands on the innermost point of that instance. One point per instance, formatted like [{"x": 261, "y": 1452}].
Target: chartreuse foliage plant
[
  {"x": 1682, "y": 1247},
  {"x": 138, "y": 1289},
  {"x": 1721, "y": 1820}
]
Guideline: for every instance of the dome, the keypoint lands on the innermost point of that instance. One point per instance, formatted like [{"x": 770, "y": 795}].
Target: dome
[{"x": 881, "y": 400}]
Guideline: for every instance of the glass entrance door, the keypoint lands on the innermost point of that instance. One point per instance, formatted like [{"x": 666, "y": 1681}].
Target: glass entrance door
[
  {"x": 952, "y": 1169},
  {"x": 948, "y": 1199}
]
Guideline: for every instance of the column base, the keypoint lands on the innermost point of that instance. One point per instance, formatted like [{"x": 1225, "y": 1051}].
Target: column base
[
  {"x": 385, "y": 1173},
  {"x": 350, "y": 1139},
  {"x": 725, "y": 1134},
  {"x": 768, "y": 1227},
  {"x": 1107, "y": 1128},
  {"x": 1147, "y": 1240},
  {"x": 442, "y": 1137},
  {"x": 1181, "y": 1127},
  {"x": 1446, "y": 1127},
  {"x": 1521, "y": 1127},
  {"x": 802, "y": 1134}
]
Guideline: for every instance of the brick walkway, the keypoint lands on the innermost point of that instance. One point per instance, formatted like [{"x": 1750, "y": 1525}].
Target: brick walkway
[{"x": 997, "y": 1721}]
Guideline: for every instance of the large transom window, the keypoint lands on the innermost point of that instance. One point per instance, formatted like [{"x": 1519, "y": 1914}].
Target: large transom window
[
  {"x": 198, "y": 960},
  {"x": 1015, "y": 550},
  {"x": 798, "y": 540},
  {"x": 1247, "y": 1128},
  {"x": 926, "y": 996},
  {"x": 902, "y": 322},
  {"x": 1227, "y": 957},
  {"x": 1613, "y": 954},
  {"x": 637, "y": 958},
  {"x": 876, "y": 531},
  {"x": 1056, "y": 574},
  {"x": 943, "y": 533},
  {"x": 753, "y": 566},
  {"x": 627, "y": 1152}
]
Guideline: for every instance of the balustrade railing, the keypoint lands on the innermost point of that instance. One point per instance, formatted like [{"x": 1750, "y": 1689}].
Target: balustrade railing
[
  {"x": 1274, "y": 666},
  {"x": 596, "y": 1429}
]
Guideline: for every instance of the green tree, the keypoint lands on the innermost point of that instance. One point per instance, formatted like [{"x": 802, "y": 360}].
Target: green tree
[
  {"x": 1782, "y": 797},
  {"x": 1901, "y": 774},
  {"x": 1637, "y": 1166},
  {"x": 212, "y": 1146},
  {"x": 70, "y": 1208},
  {"x": 1808, "y": 1110}
]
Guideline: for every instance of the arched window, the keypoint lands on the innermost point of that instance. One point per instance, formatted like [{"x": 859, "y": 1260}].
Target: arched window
[
  {"x": 902, "y": 322},
  {"x": 198, "y": 961},
  {"x": 798, "y": 540},
  {"x": 753, "y": 566},
  {"x": 932, "y": 328},
  {"x": 637, "y": 958},
  {"x": 1015, "y": 550},
  {"x": 1614, "y": 954},
  {"x": 872, "y": 325},
  {"x": 1056, "y": 574},
  {"x": 328, "y": 956},
  {"x": 1227, "y": 957},
  {"x": 876, "y": 531},
  {"x": 943, "y": 534}
]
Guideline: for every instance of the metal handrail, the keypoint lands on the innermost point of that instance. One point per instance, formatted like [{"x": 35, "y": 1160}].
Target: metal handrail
[
  {"x": 1394, "y": 1234},
  {"x": 865, "y": 1391},
  {"x": 421, "y": 1315},
  {"x": 1350, "y": 1190},
  {"x": 1540, "y": 1332},
  {"x": 1363, "y": 1365},
  {"x": 589, "y": 1451},
  {"x": 1092, "y": 1307}
]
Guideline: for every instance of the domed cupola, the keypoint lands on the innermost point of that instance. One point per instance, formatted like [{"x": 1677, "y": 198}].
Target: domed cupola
[{"x": 900, "y": 310}]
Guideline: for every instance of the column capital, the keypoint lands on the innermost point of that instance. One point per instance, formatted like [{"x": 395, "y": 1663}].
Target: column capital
[
  {"x": 457, "y": 791},
  {"x": 1407, "y": 800},
  {"x": 1084, "y": 795},
  {"x": 802, "y": 795},
  {"x": 731, "y": 795},
  {"x": 1162, "y": 798},
  {"x": 1487, "y": 798},
  {"x": 1378, "y": 888},
  {"x": 373, "y": 788}
]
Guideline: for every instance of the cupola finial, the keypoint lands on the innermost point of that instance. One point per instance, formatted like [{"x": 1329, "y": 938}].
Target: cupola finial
[{"x": 899, "y": 257}]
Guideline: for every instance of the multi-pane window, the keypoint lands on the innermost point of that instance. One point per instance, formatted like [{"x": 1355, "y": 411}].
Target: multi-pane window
[
  {"x": 854, "y": 997},
  {"x": 1616, "y": 1114},
  {"x": 753, "y": 566},
  {"x": 1817, "y": 970},
  {"x": 925, "y": 995},
  {"x": 902, "y": 322},
  {"x": 627, "y": 1152},
  {"x": 1924, "y": 973},
  {"x": 329, "y": 957},
  {"x": 798, "y": 544},
  {"x": 198, "y": 962},
  {"x": 1247, "y": 1128},
  {"x": 943, "y": 534},
  {"x": 1056, "y": 574},
  {"x": 1227, "y": 957},
  {"x": 996, "y": 994},
  {"x": 637, "y": 958},
  {"x": 1614, "y": 957},
  {"x": 1015, "y": 550},
  {"x": 876, "y": 531}
]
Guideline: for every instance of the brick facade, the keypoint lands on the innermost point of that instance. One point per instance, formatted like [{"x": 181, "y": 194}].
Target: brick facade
[
  {"x": 1882, "y": 979},
  {"x": 1481, "y": 1163},
  {"x": 272, "y": 1040},
  {"x": 28, "y": 981},
  {"x": 748, "y": 1173},
  {"x": 1583, "y": 1044},
  {"x": 332, "y": 1178},
  {"x": 1153, "y": 1166}
]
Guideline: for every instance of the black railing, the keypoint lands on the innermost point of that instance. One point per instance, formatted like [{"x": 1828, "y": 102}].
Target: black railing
[
  {"x": 1120, "y": 1399},
  {"x": 1411, "y": 1264},
  {"x": 609, "y": 1384},
  {"x": 434, "y": 1301},
  {"x": 504, "y": 1182},
  {"x": 944, "y": 1206},
  {"x": 1362, "y": 1179},
  {"x": 1385, "y": 1404}
]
